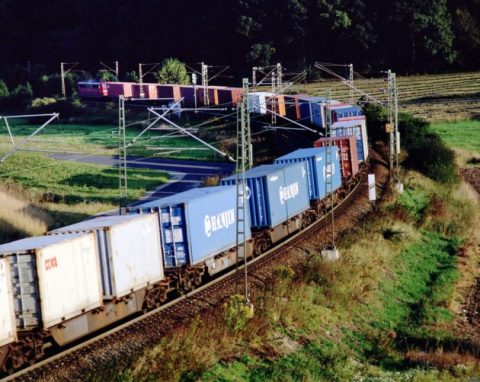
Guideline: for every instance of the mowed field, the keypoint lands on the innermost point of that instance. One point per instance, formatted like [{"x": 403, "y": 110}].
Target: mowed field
[
  {"x": 460, "y": 134},
  {"x": 441, "y": 97}
]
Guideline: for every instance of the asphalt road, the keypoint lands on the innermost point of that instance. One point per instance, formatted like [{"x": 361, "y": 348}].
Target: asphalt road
[{"x": 184, "y": 174}]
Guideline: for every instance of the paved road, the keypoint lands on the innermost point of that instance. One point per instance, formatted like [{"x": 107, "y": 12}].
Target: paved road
[{"x": 184, "y": 174}]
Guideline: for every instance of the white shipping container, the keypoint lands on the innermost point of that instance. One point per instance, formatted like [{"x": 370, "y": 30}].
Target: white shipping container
[
  {"x": 7, "y": 314},
  {"x": 129, "y": 250},
  {"x": 55, "y": 278}
]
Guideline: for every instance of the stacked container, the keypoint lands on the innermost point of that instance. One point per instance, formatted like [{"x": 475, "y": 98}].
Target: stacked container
[
  {"x": 129, "y": 251},
  {"x": 277, "y": 192},
  {"x": 188, "y": 95},
  {"x": 195, "y": 225},
  {"x": 258, "y": 101},
  {"x": 346, "y": 112},
  {"x": 115, "y": 89},
  {"x": 168, "y": 92},
  {"x": 7, "y": 313},
  {"x": 347, "y": 149},
  {"x": 54, "y": 278},
  {"x": 315, "y": 160},
  {"x": 292, "y": 106},
  {"x": 357, "y": 128}
]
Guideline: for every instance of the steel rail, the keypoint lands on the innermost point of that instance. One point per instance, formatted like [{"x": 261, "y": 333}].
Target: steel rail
[{"x": 256, "y": 262}]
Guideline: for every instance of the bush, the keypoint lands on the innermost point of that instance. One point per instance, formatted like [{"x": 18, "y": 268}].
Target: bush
[
  {"x": 433, "y": 158},
  {"x": 427, "y": 153},
  {"x": 66, "y": 108},
  {"x": 237, "y": 313},
  {"x": 4, "y": 92},
  {"x": 172, "y": 71}
]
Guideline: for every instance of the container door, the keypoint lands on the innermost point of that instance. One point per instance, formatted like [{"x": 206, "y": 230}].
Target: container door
[
  {"x": 174, "y": 238},
  {"x": 25, "y": 290},
  {"x": 7, "y": 314},
  {"x": 294, "y": 193}
]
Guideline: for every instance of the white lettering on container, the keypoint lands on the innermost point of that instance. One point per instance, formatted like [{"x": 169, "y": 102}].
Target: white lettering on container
[
  {"x": 288, "y": 192},
  {"x": 222, "y": 220}
]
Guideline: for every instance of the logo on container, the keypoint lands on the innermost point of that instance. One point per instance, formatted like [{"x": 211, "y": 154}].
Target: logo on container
[
  {"x": 288, "y": 192},
  {"x": 328, "y": 170},
  {"x": 222, "y": 220},
  {"x": 51, "y": 263}
]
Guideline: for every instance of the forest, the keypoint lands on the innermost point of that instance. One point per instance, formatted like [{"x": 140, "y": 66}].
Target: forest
[{"x": 407, "y": 36}]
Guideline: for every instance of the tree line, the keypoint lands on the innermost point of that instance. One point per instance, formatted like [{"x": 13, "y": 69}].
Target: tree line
[{"x": 407, "y": 36}]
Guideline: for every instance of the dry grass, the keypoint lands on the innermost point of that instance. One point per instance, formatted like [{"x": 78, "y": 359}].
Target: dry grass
[
  {"x": 19, "y": 215},
  {"x": 442, "y": 360}
]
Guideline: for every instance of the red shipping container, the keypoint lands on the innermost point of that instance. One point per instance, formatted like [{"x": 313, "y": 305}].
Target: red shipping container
[
  {"x": 115, "y": 89},
  {"x": 347, "y": 151},
  {"x": 188, "y": 95},
  {"x": 212, "y": 96}
]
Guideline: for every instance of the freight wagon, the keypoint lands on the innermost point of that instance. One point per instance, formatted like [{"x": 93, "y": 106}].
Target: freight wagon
[
  {"x": 81, "y": 278},
  {"x": 197, "y": 230},
  {"x": 118, "y": 239},
  {"x": 277, "y": 196},
  {"x": 347, "y": 149}
]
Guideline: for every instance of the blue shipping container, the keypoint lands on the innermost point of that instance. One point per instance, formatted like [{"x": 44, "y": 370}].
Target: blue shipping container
[
  {"x": 196, "y": 224},
  {"x": 315, "y": 160},
  {"x": 311, "y": 110},
  {"x": 277, "y": 192}
]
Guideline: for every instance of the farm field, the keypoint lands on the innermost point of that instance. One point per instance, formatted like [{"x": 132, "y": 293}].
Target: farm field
[
  {"x": 439, "y": 97},
  {"x": 460, "y": 134}
]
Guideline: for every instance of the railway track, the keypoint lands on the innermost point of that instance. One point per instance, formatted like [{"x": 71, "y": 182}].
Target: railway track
[{"x": 132, "y": 337}]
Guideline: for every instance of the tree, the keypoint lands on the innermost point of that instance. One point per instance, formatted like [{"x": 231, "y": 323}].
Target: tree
[
  {"x": 3, "y": 89},
  {"x": 172, "y": 71}
]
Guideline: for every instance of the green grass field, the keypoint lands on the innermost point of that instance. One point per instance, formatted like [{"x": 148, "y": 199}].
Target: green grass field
[
  {"x": 67, "y": 191},
  {"x": 103, "y": 140},
  {"x": 460, "y": 134}
]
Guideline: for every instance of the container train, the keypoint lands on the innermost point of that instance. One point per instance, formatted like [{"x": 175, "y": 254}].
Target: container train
[
  {"x": 76, "y": 280},
  {"x": 346, "y": 119}
]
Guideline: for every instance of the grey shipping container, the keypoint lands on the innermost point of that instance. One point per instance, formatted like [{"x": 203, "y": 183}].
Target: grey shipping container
[
  {"x": 54, "y": 278},
  {"x": 129, "y": 251}
]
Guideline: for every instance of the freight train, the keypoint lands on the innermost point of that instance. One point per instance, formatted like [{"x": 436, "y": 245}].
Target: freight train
[
  {"x": 76, "y": 280},
  {"x": 346, "y": 119}
]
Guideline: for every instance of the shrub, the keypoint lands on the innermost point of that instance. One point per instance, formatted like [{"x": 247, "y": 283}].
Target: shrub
[
  {"x": 4, "y": 92},
  {"x": 172, "y": 71},
  {"x": 237, "y": 313},
  {"x": 433, "y": 158}
]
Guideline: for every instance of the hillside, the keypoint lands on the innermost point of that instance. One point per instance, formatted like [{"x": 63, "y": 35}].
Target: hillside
[{"x": 435, "y": 97}]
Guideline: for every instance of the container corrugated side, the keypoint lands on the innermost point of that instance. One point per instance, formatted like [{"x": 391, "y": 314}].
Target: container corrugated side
[
  {"x": 277, "y": 193},
  {"x": 69, "y": 279},
  {"x": 316, "y": 167},
  {"x": 8, "y": 328},
  {"x": 55, "y": 278},
  {"x": 356, "y": 128},
  {"x": 196, "y": 224},
  {"x": 347, "y": 147},
  {"x": 129, "y": 251}
]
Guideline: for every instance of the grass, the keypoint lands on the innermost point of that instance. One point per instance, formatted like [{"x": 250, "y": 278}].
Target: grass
[
  {"x": 463, "y": 135},
  {"x": 397, "y": 280},
  {"x": 103, "y": 140},
  {"x": 64, "y": 192}
]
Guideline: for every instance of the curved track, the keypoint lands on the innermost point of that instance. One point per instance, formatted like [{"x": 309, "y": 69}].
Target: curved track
[{"x": 133, "y": 336}]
